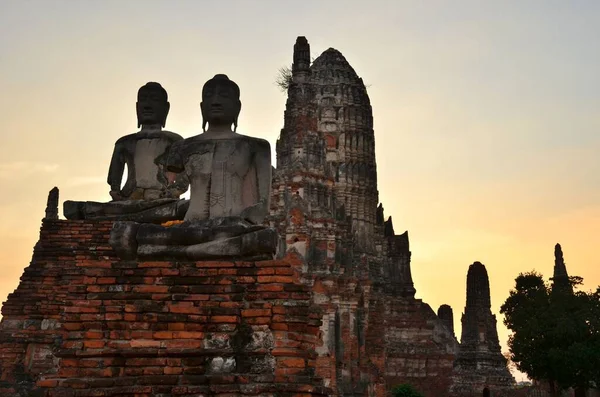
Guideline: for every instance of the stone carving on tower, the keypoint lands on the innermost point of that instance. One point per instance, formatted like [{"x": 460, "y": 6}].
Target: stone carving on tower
[{"x": 480, "y": 363}]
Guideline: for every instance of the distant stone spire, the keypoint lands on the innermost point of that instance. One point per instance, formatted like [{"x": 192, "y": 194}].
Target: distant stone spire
[
  {"x": 478, "y": 287},
  {"x": 479, "y": 362},
  {"x": 447, "y": 316},
  {"x": 52, "y": 205},
  {"x": 561, "y": 277}
]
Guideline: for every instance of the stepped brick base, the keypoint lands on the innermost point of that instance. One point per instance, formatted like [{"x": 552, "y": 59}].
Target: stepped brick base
[{"x": 84, "y": 323}]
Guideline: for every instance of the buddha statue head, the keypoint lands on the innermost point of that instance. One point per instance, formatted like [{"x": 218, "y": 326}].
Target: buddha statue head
[
  {"x": 220, "y": 103},
  {"x": 152, "y": 105}
]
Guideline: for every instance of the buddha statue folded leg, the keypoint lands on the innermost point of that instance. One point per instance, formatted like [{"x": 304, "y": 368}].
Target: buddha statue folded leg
[
  {"x": 217, "y": 238},
  {"x": 155, "y": 211}
]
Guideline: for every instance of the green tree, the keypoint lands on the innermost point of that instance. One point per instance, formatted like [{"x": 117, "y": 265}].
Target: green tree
[
  {"x": 405, "y": 391},
  {"x": 556, "y": 331}
]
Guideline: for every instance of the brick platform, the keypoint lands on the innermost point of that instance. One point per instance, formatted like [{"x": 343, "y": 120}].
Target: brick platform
[{"x": 83, "y": 323}]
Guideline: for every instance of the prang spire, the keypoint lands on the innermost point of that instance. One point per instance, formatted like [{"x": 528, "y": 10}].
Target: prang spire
[
  {"x": 301, "y": 58},
  {"x": 561, "y": 277},
  {"x": 478, "y": 287}
]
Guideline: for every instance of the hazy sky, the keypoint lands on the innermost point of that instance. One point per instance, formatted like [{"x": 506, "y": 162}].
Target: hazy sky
[{"x": 486, "y": 115}]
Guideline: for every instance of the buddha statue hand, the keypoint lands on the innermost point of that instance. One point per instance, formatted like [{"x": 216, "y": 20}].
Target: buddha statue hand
[
  {"x": 173, "y": 192},
  {"x": 116, "y": 195},
  {"x": 255, "y": 214}
]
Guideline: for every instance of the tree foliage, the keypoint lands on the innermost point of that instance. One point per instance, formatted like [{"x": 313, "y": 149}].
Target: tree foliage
[
  {"x": 405, "y": 391},
  {"x": 556, "y": 332}
]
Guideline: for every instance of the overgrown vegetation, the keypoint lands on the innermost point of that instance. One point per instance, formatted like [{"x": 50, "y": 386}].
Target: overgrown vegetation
[
  {"x": 556, "y": 332},
  {"x": 405, "y": 390},
  {"x": 284, "y": 78}
]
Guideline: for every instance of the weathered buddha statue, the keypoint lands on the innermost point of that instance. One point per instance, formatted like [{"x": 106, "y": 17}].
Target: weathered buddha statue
[
  {"x": 144, "y": 152},
  {"x": 230, "y": 183},
  {"x": 147, "y": 195}
]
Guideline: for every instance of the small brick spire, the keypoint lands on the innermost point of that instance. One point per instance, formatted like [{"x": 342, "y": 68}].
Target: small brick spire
[{"x": 52, "y": 205}]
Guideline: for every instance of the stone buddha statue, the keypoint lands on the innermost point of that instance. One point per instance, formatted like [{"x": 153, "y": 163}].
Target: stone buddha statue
[
  {"x": 230, "y": 182},
  {"x": 144, "y": 152},
  {"x": 147, "y": 195}
]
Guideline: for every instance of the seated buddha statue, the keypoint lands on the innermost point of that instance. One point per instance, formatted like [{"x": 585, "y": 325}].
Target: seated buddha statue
[
  {"x": 230, "y": 183},
  {"x": 147, "y": 195}
]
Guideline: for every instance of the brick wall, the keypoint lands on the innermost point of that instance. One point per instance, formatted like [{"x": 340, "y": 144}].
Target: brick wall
[{"x": 82, "y": 323}]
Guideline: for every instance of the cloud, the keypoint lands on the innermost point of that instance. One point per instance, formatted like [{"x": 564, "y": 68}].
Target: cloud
[{"x": 18, "y": 169}]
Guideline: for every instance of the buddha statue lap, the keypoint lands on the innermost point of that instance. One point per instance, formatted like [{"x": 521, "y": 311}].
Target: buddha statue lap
[
  {"x": 230, "y": 182},
  {"x": 148, "y": 195}
]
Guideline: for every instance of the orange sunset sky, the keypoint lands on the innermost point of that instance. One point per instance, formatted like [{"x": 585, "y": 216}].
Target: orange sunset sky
[{"x": 486, "y": 115}]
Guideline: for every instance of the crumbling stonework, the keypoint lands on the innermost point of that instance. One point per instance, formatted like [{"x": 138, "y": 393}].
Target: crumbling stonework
[{"x": 480, "y": 364}]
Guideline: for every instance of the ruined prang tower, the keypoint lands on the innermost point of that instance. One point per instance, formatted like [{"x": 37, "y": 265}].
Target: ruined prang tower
[
  {"x": 480, "y": 363},
  {"x": 328, "y": 135},
  {"x": 325, "y": 186},
  {"x": 325, "y": 207}
]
